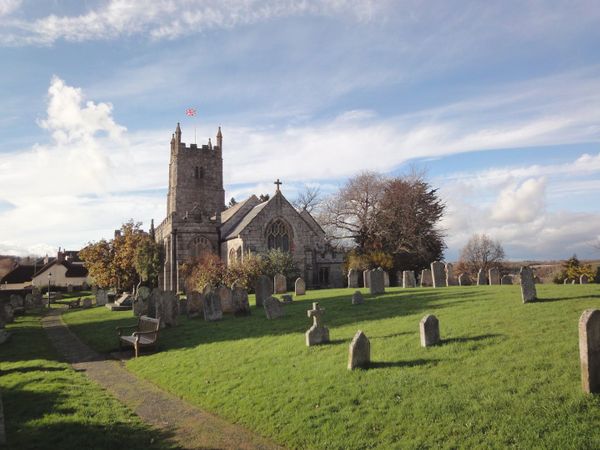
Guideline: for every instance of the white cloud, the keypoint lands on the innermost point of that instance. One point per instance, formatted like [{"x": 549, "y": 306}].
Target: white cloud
[
  {"x": 9, "y": 6},
  {"x": 520, "y": 203}
]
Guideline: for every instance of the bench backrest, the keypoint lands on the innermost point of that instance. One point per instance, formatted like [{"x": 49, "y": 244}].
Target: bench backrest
[{"x": 146, "y": 324}]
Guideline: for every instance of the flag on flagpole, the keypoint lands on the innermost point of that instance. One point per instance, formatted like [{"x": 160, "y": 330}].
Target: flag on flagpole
[{"x": 190, "y": 112}]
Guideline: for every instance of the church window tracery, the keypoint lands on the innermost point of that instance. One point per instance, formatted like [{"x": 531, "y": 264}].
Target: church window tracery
[
  {"x": 278, "y": 236},
  {"x": 200, "y": 246}
]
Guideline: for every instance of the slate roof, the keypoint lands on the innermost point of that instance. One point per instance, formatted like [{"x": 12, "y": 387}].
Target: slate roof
[
  {"x": 230, "y": 212},
  {"x": 246, "y": 221},
  {"x": 20, "y": 274},
  {"x": 73, "y": 270}
]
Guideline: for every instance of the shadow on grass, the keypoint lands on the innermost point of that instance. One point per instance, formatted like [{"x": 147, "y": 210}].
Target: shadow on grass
[
  {"x": 462, "y": 340},
  {"x": 31, "y": 369},
  {"x": 402, "y": 364},
  {"x": 560, "y": 299}
]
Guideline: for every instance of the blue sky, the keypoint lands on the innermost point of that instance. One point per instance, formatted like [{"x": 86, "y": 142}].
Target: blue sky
[{"x": 499, "y": 103}]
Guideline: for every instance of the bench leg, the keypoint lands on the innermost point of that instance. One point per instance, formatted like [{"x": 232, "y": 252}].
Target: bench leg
[{"x": 136, "y": 350}]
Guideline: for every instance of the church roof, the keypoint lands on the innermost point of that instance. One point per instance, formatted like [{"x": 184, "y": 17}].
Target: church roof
[
  {"x": 246, "y": 220},
  {"x": 230, "y": 212}
]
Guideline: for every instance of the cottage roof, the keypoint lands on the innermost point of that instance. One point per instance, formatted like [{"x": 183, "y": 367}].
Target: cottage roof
[{"x": 20, "y": 274}]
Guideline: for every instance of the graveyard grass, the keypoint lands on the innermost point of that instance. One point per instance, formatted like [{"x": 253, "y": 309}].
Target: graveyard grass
[
  {"x": 506, "y": 374},
  {"x": 48, "y": 405}
]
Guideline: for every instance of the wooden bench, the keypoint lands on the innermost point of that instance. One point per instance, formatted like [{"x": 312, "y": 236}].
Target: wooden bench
[{"x": 145, "y": 334}]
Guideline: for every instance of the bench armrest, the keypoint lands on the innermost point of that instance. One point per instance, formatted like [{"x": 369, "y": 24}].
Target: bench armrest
[
  {"x": 119, "y": 329},
  {"x": 141, "y": 333}
]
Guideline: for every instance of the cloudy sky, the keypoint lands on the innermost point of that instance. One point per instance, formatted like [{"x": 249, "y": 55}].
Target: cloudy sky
[{"x": 499, "y": 103}]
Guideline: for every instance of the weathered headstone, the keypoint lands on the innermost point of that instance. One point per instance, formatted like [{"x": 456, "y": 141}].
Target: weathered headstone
[
  {"x": 357, "y": 298},
  {"x": 273, "y": 308},
  {"x": 494, "y": 276},
  {"x": 464, "y": 279},
  {"x": 583, "y": 279},
  {"x": 141, "y": 300},
  {"x": 450, "y": 278},
  {"x": 408, "y": 279},
  {"x": 38, "y": 299},
  {"x": 353, "y": 278},
  {"x": 239, "y": 297},
  {"x": 366, "y": 278},
  {"x": 299, "y": 287},
  {"x": 438, "y": 273},
  {"x": 171, "y": 308},
  {"x": 29, "y": 301},
  {"x": 69, "y": 288},
  {"x": 211, "y": 306},
  {"x": 101, "y": 297},
  {"x": 224, "y": 294},
  {"x": 386, "y": 279},
  {"x": 506, "y": 280},
  {"x": 359, "y": 354},
  {"x": 280, "y": 284},
  {"x": 263, "y": 289},
  {"x": 426, "y": 278},
  {"x": 155, "y": 303},
  {"x": 566, "y": 281},
  {"x": 194, "y": 306},
  {"x": 528, "y": 291},
  {"x": 589, "y": 350},
  {"x": 86, "y": 303},
  {"x": 9, "y": 314},
  {"x": 429, "y": 328},
  {"x": 377, "y": 283},
  {"x": 574, "y": 281},
  {"x": 17, "y": 303},
  {"x": 318, "y": 333},
  {"x": 481, "y": 278}
]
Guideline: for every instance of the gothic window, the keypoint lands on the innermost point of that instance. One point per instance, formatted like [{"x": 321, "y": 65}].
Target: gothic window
[
  {"x": 278, "y": 236},
  {"x": 238, "y": 254},
  {"x": 323, "y": 276},
  {"x": 200, "y": 246}
]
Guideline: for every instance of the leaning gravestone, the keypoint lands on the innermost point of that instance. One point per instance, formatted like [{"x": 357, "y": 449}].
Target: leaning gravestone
[
  {"x": 239, "y": 298},
  {"x": 426, "y": 278},
  {"x": 194, "y": 306},
  {"x": 589, "y": 350},
  {"x": 438, "y": 273},
  {"x": 226, "y": 301},
  {"x": 141, "y": 300},
  {"x": 273, "y": 308},
  {"x": 366, "y": 278},
  {"x": 101, "y": 297},
  {"x": 2, "y": 430},
  {"x": 583, "y": 279},
  {"x": 377, "y": 282},
  {"x": 481, "y": 278},
  {"x": 494, "y": 276},
  {"x": 506, "y": 280},
  {"x": 359, "y": 353},
  {"x": 357, "y": 298},
  {"x": 212, "y": 306},
  {"x": 429, "y": 328},
  {"x": 318, "y": 333},
  {"x": 353, "y": 278},
  {"x": 299, "y": 287},
  {"x": 450, "y": 278},
  {"x": 408, "y": 279},
  {"x": 464, "y": 279},
  {"x": 280, "y": 284},
  {"x": 263, "y": 289},
  {"x": 528, "y": 291}
]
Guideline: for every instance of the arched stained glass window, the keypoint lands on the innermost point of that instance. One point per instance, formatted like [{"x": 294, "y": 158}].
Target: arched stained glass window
[{"x": 278, "y": 236}]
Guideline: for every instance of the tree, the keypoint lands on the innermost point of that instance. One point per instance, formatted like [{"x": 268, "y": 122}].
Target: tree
[
  {"x": 97, "y": 258},
  {"x": 232, "y": 202},
  {"x": 481, "y": 252},
  {"x": 264, "y": 197},
  {"x": 308, "y": 198},
  {"x": 572, "y": 269},
  {"x": 147, "y": 260}
]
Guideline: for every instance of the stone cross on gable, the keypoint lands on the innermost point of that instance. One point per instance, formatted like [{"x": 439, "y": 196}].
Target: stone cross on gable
[
  {"x": 316, "y": 313},
  {"x": 278, "y": 183}
]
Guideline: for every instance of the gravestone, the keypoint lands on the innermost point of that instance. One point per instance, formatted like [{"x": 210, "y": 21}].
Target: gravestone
[
  {"x": 141, "y": 300},
  {"x": 506, "y": 280},
  {"x": 2, "y": 430},
  {"x": 583, "y": 279},
  {"x": 528, "y": 291},
  {"x": 438, "y": 273},
  {"x": 450, "y": 278},
  {"x": 273, "y": 308},
  {"x": 318, "y": 333},
  {"x": 429, "y": 328},
  {"x": 353, "y": 278},
  {"x": 566, "y": 281},
  {"x": 239, "y": 298},
  {"x": 86, "y": 303},
  {"x": 170, "y": 302},
  {"x": 69, "y": 288},
  {"x": 494, "y": 276},
  {"x": 366, "y": 278},
  {"x": 9, "y": 314},
  {"x": 38, "y": 299},
  {"x": 194, "y": 306},
  {"x": 589, "y": 350},
  {"x": 408, "y": 279},
  {"x": 287, "y": 298},
  {"x": 211, "y": 306},
  {"x": 377, "y": 283},
  {"x": 357, "y": 298},
  {"x": 386, "y": 279},
  {"x": 101, "y": 297},
  {"x": 263, "y": 289},
  {"x": 29, "y": 301},
  {"x": 464, "y": 279},
  {"x": 299, "y": 287},
  {"x": 280, "y": 284},
  {"x": 224, "y": 294},
  {"x": 481, "y": 278},
  {"x": 17, "y": 303},
  {"x": 426, "y": 278},
  {"x": 574, "y": 282},
  {"x": 359, "y": 354},
  {"x": 154, "y": 303}
]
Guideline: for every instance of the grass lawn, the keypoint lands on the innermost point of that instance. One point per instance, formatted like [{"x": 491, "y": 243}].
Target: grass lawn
[
  {"x": 506, "y": 375},
  {"x": 48, "y": 405}
]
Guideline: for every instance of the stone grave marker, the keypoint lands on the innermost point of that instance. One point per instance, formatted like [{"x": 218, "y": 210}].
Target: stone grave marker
[
  {"x": 438, "y": 273},
  {"x": 280, "y": 284},
  {"x": 29, "y": 301},
  {"x": 263, "y": 289},
  {"x": 589, "y": 350},
  {"x": 9, "y": 314},
  {"x": 366, "y": 278},
  {"x": 481, "y": 278},
  {"x": 377, "y": 282},
  {"x": 154, "y": 303},
  {"x": 69, "y": 288},
  {"x": 38, "y": 299},
  {"x": 194, "y": 306},
  {"x": 359, "y": 354},
  {"x": 226, "y": 301},
  {"x": 583, "y": 279},
  {"x": 353, "y": 278},
  {"x": 528, "y": 291},
  {"x": 170, "y": 301},
  {"x": 101, "y": 297},
  {"x": 450, "y": 278},
  {"x": 318, "y": 333},
  {"x": 86, "y": 303},
  {"x": 408, "y": 279},
  {"x": 239, "y": 297},
  {"x": 273, "y": 308},
  {"x": 141, "y": 300},
  {"x": 464, "y": 279},
  {"x": 429, "y": 328},
  {"x": 506, "y": 280},
  {"x": 357, "y": 298},
  {"x": 212, "y": 306},
  {"x": 299, "y": 287},
  {"x": 386, "y": 279},
  {"x": 494, "y": 276},
  {"x": 426, "y": 278}
]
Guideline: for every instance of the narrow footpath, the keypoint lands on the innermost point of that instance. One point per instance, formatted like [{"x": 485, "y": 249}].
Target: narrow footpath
[{"x": 190, "y": 427}]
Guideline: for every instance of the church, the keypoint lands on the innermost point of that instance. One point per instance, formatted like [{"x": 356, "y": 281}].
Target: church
[{"x": 197, "y": 221}]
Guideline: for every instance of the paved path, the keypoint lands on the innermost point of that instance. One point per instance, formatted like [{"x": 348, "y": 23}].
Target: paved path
[{"x": 189, "y": 427}]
